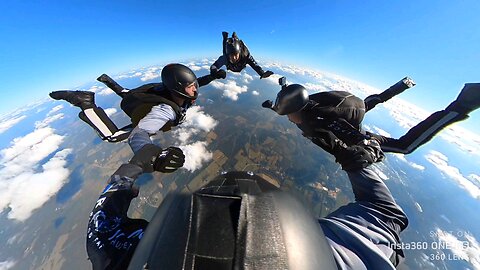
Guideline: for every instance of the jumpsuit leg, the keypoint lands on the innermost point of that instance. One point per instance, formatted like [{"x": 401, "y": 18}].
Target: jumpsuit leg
[
  {"x": 421, "y": 133},
  {"x": 103, "y": 125}
]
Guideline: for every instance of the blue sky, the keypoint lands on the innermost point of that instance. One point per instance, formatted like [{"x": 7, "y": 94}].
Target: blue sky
[{"x": 50, "y": 45}]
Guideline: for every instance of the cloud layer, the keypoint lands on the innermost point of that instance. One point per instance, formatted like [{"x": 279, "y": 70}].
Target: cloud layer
[
  {"x": 467, "y": 248},
  {"x": 25, "y": 183},
  {"x": 8, "y": 123},
  {"x": 440, "y": 161}
]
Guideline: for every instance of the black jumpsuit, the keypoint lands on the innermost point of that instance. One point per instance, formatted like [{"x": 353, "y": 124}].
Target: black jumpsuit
[{"x": 336, "y": 106}]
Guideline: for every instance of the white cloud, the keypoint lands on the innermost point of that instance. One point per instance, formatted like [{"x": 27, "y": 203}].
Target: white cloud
[
  {"x": 273, "y": 79},
  {"x": 110, "y": 111},
  {"x": 230, "y": 89},
  {"x": 466, "y": 249},
  {"x": 45, "y": 122},
  {"x": 7, "y": 124},
  {"x": 464, "y": 139},
  {"x": 474, "y": 178},
  {"x": 5, "y": 265},
  {"x": 419, "y": 208},
  {"x": 196, "y": 152},
  {"x": 20, "y": 111},
  {"x": 247, "y": 78},
  {"x": 105, "y": 91},
  {"x": 95, "y": 88},
  {"x": 29, "y": 190},
  {"x": 196, "y": 121},
  {"x": 25, "y": 183},
  {"x": 445, "y": 218},
  {"x": 195, "y": 68},
  {"x": 379, "y": 172},
  {"x": 55, "y": 109},
  {"x": 195, "y": 155},
  {"x": 412, "y": 164},
  {"x": 122, "y": 76},
  {"x": 150, "y": 74},
  {"x": 255, "y": 93},
  {"x": 290, "y": 69},
  {"x": 441, "y": 162},
  {"x": 312, "y": 87},
  {"x": 380, "y": 131}
]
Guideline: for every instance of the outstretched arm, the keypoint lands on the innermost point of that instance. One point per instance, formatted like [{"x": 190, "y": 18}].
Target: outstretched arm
[
  {"x": 204, "y": 80},
  {"x": 112, "y": 237},
  {"x": 263, "y": 74},
  {"x": 251, "y": 61},
  {"x": 364, "y": 234},
  {"x": 221, "y": 61}
]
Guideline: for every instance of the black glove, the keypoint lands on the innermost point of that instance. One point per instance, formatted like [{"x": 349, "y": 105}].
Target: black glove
[
  {"x": 152, "y": 158},
  {"x": 267, "y": 104},
  {"x": 169, "y": 160},
  {"x": 266, "y": 74},
  {"x": 220, "y": 74},
  {"x": 351, "y": 157},
  {"x": 359, "y": 156}
]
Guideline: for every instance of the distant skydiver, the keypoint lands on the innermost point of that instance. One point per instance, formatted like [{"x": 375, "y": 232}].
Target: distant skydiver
[
  {"x": 152, "y": 107},
  {"x": 240, "y": 221},
  {"x": 342, "y": 113},
  {"x": 235, "y": 57}
]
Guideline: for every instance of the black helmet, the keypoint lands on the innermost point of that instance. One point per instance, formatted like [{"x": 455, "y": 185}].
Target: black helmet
[
  {"x": 176, "y": 77},
  {"x": 233, "y": 46},
  {"x": 237, "y": 221},
  {"x": 290, "y": 99}
]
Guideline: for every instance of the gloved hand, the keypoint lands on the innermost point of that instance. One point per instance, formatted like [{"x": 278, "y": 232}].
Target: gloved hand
[
  {"x": 267, "y": 104},
  {"x": 169, "y": 160},
  {"x": 153, "y": 158},
  {"x": 359, "y": 156},
  {"x": 266, "y": 74},
  {"x": 220, "y": 74}
]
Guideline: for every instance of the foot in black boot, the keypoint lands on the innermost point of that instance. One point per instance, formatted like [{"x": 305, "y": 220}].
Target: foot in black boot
[
  {"x": 468, "y": 100},
  {"x": 82, "y": 99}
]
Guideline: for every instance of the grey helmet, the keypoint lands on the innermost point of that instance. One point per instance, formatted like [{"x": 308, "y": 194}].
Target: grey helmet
[
  {"x": 176, "y": 77},
  {"x": 290, "y": 99}
]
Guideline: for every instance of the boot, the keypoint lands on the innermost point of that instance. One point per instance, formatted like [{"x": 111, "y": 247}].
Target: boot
[
  {"x": 468, "y": 100},
  {"x": 399, "y": 87},
  {"x": 110, "y": 83},
  {"x": 81, "y": 99}
]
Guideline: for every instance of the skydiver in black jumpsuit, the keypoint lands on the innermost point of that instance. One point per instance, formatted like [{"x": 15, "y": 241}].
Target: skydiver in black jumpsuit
[
  {"x": 340, "y": 111},
  {"x": 235, "y": 57}
]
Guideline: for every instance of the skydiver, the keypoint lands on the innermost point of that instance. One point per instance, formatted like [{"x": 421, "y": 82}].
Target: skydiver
[
  {"x": 241, "y": 221},
  {"x": 342, "y": 113},
  {"x": 111, "y": 236},
  {"x": 152, "y": 107},
  {"x": 235, "y": 57}
]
